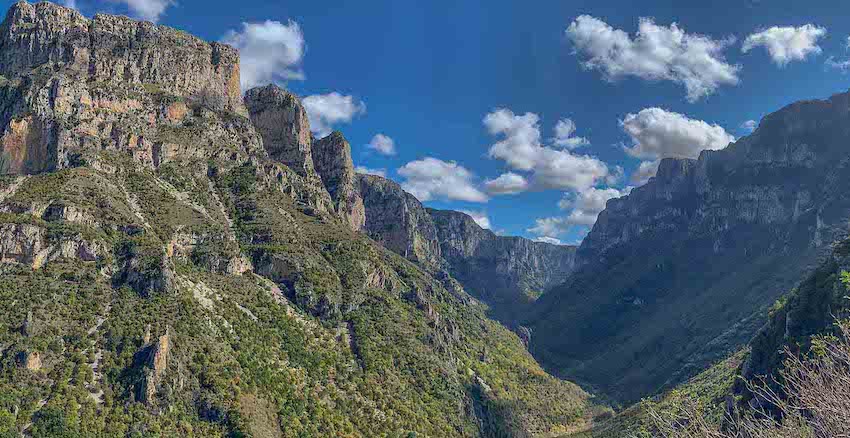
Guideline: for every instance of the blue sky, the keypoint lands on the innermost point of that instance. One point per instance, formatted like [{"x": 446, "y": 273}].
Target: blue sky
[{"x": 427, "y": 74}]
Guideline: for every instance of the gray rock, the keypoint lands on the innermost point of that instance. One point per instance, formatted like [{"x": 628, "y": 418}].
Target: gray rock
[
  {"x": 332, "y": 157},
  {"x": 282, "y": 121},
  {"x": 704, "y": 246}
]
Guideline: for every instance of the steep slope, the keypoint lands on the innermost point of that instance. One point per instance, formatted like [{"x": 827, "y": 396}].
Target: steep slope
[
  {"x": 809, "y": 309},
  {"x": 677, "y": 274},
  {"x": 508, "y": 273},
  {"x": 163, "y": 273}
]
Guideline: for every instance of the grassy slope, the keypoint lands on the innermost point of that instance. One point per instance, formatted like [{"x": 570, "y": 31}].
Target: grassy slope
[
  {"x": 708, "y": 389},
  {"x": 365, "y": 344}
]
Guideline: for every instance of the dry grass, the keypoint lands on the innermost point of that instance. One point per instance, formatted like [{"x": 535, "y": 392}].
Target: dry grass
[{"x": 812, "y": 400}]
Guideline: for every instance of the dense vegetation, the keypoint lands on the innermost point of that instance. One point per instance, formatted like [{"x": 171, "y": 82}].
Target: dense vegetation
[{"x": 330, "y": 335}]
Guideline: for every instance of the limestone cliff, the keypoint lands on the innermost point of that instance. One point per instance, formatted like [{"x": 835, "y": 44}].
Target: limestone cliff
[
  {"x": 282, "y": 122},
  {"x": 335, "y": 166},
  {"x": 398, "y": 221},
  {"x": 676, "y": 274},
  {"x": 506, "y": 272}
]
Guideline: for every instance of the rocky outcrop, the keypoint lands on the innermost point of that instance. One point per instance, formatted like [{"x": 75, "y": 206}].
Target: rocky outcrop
[
  {"x": 508, "y": 273},
  {"x": 332, "y": 157},
  {"x": 30, "y": 245},
  {"x": 29, "y": 360},
  {"x": 155, "y": 366},
  {"x": 398, "y": 221},
  {"x": 282, "y": 121},
  {"x": 73, "y": 87},
  {"x": 674, "y": 275},
  {"x": 44, "y": 37}
]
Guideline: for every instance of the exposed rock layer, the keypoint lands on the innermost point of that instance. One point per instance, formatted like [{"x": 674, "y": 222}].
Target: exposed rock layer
[{"x": 673, "y": 276}]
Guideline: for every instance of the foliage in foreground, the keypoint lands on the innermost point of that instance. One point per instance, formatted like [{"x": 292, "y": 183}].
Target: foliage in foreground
[{"x": 810, "y": 399}]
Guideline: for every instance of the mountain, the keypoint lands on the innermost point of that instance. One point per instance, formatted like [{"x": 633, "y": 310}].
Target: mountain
[
  {"x": 679, "y": 273},
  {"x": 506, "y": 273},
  {"x": 509, "y": 273},
  {"x": 178, "y": 261}
]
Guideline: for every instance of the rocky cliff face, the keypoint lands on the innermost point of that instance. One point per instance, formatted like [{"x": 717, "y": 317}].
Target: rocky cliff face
[
  {"x": 282, "y": 122},
  {"x": 508, "y": 273},
  {"x": 398, "y": 221},
  {"x": 335, "y": 166},
  {"x": 673, "y": 275}
]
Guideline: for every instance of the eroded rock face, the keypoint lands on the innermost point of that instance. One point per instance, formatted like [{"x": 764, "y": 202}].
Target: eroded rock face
[
  {"x": 74, "y": 86},
  {"x": 398, "y": 221},
  {"x": 111, "y": 48},
  {"x": 673, "y": 276},
  {"x": 156, "y": 365},
  {"x": 282, "y": 121},
  {"x": 332, "y": 157},
  {"x": 508, "y": 273}
]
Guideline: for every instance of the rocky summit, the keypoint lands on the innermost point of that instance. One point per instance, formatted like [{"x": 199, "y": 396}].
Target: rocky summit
[{"x": 177, "y": 260}]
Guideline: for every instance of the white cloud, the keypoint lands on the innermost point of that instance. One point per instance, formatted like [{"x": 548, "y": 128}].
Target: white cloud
[
  {"x": 584, "y": 207},
  {"x": 269, "y": 51},
  {"x": 369, "y": 171},
  {"x": 150, "y": 10},
  {"x": 844, "y": 66},
  {"x": 520, "y": 147},
  {"x": 564, "y": 130},
  {"x": 326, "y": 110},
  {"x": 507, "y": 184},
  {"x": 657, "y": 134},
  {"x": 430, "y": 178},
  {"x": 551, "y": 240},
  {"x": 549, "y": 227},
  {"x": 69, "y": 4},
  {"x": 383, "y": 144},
  {"x": 655, "y": 53},
  {"x": 786, "y": 44},
  {"x": 749, "y": 125},
  {"x": 480, "y": 218},
  {"x": 550, "y": 168},
  {"x": 645, "y": 171}
]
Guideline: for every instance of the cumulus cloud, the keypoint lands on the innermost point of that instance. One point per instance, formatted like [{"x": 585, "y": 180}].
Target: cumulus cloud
[
  {"x": 150, "y": 10},
  {"x": 645, "y": 171},
  {"x": 786, "y": 44},
  {"x": 583, "y": 206},
  {"x": 269, "y": 51},
  {"x": 521, "y": 149},
  {"x": 564, "y": 130},
  {"x": 749, "y": 125},
  {"x": 430, "y": 178},
  {"x": 655, "y": 53},
  {"x": 657, "y": 133},
  {"x": 382, "y": 144},
  {"x": 480, "y": 218},
  {"x": 369, "y": 171},
  {"x": 326, "y": 110},
  {"x": 551, "y": 240},
  {"x": 507, "y": 184},
  {"x": 586, "y": 205},
  {"x": 549, "y": 227}
]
